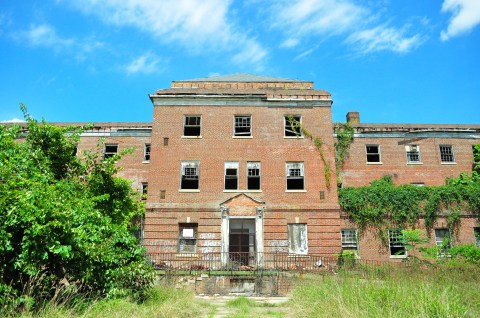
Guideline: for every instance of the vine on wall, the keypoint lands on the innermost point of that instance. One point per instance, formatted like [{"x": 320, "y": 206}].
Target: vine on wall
[{"x": 344, "y": 134}]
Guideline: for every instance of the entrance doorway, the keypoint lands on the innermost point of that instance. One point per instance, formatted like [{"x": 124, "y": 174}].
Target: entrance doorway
[{"x": 242, "y": 241}]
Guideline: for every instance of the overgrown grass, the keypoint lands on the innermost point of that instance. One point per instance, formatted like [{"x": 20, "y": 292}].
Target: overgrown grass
[
  {"x": 407, "y": 292},
  {"x": 245, "y": 307}
]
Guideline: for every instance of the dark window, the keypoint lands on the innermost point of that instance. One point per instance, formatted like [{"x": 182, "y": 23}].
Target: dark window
[
  {"x": 446, "y": 153},
  {"x": 110, "y": 150},
  {"x": 413, "y": 153},
  {"x": 190, "y": 175},
  {"x": 144, "y": 190},
  {"x": 146, "y": 152},
  {"x": 187, "y": 239},
  {"x": 292, "y": 127},
  {"x": 476, "y": 234},
  {"x": 162, "y": 194},
  {"x": 253, "y": 176},
  {"x": 243, "y": 125},
  {"x": 443, "y": 240},
  {"x": 373, "y": 153},
  {"x": 231, "y": 175},
  {"x": 295, "y": 176},
  {"x": 192, "y": 126},
  {"x": 397, "y": 247}
]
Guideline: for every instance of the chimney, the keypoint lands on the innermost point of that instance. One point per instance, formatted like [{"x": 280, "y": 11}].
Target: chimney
[{"x": 353, "y": 118}]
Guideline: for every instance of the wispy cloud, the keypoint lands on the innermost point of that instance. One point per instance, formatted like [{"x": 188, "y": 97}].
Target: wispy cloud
[
  {"x": 146, "y": 64},
  {"x": 465, "y": 17},
  {"x": 199, "y": 26},
  {"x": 357, "y": 25},
  {"x": 46, "y": 36},
  {"x": 13, "y": 120}
]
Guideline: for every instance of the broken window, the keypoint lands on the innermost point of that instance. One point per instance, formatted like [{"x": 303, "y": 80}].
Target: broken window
[
  {"x": 397, "y": 248},
  {"x": 476, "y": 234},
  {"x": 413, "y": 153},
  {"x": 253, "y": 176},
  {"x": 144, "y": 190},
  {"x": 110, "y": 150},
  {"x": 231, "y": 175},
  {"x": 187, "y": 239},
  {"x": 192, "y": 126},
  {"x": 146, "y": 152},
  {"x": 75, "y": 150},
  {"x": 349, "y": 240},
  {"x": 446, "y": 153},
  {"x": 295, "y": 176},
  {"x": 190, "y": 174},
  {"x": 373, "y": 153},
  {"x": 292, "y": 127},
  {"x": 443, "y": 241},
  {"x": 297, "y": 238},
  {"x": 243, "y": 126}
]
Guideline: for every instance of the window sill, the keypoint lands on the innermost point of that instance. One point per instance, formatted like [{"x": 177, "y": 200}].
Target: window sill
[
  {"x": 186, "y": 255},
  {"x": 192, "y": 137},
  {"x": 448, "y": 163},
  {"x": 296, "y": 191},
  {"x": 146, "y": 161},
  {"x": 189, "y": 190},
  {"x": 242, "y": 137},
  {"x": 293, "y": 137},
  {"x": 415, "y": 163},
  {"x": 241, "y": 191},
  {"x": 374, "y": 163},
  {"x": 398, "y": 256}
]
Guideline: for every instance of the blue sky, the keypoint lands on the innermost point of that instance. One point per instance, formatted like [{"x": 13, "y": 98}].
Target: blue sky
[{"x": 395, "y": 61}]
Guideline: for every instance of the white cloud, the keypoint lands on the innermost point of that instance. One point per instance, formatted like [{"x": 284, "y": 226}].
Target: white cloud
[
  {"x": 45, "y": 35},
  {"x": 465, "y": 17},
  {"x": 146, "y": 64},
  {"x": 13, "y": 120},
  {"x": 384, "y": 38},
  {"x": 359, "y": 26},
  {"x": 197, "y": 25}
]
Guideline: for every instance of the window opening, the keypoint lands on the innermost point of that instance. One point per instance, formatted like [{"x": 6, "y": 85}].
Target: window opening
[
  {"x": 413, "y": 153},
  {"x": 297, "y": 238},
  {"x": 295, "y": 176},
  {"x": 349, "y": 240},
  {"x": 144, "y": 190},
  {"x": 373, "y": 153},
  {"x": 242, "y": 241},
  {"x": 476, "y": 234},
  {"x": 291, "y": 127},
  {"x": 446, "y": 153},
  {"x": 253, "y": 176},
  {"x": 192, "y": 126},
  {"x": 231, "y": 175},
  {"x": 146, "y": 153},
  {"x": 190, "y": 175},
  {"x": 187, "y": 240},
  {"x": 443, "y": 240},
  {"x": 110, "y": 150},
  {"x": 243, "y": 125},
  {"x": 397, "y": 247}
]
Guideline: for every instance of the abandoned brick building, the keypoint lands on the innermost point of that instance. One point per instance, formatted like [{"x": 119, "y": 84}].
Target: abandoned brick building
[{"x": 225, "y": 170}]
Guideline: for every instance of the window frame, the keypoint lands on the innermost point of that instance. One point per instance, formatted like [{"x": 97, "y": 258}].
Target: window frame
[
  {"x": 287, "y": 127},
  {"x": 109, "y": 154},
  {"x": 450, "y": 156},
  {"x": 303, "y": 247},
  {"x": 230, "y": 165},
  {"x": 395, "y": 237},
  {"x": 144, "y": 190},
  {"x": 476, "y": 236},
  {"x": 183, "y": 176},
  {"x": 349, "y": 245},
  {"x": 411, "y": 151},
  {"x": 185, "y": 125},
  {"x": 440, "y": 239},
  {"x": 288, "y": 176},
  {"x": 147, "y": 148},
  {"x": 378, "y": 153},
  {"x": 257, "y": 165},
  {"x": 240, "y": 134},
  {"x": 193, "y": 238}
]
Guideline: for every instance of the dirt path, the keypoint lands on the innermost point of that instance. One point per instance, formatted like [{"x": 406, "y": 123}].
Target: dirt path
[{"x": 233, "y": 306}]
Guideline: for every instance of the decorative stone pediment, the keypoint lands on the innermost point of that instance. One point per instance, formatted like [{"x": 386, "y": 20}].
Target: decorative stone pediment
[{"x": 242, "y": 205}]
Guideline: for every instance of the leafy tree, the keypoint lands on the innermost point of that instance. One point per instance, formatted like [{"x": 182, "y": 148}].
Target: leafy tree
[
  {"x": 413, "y": 237},
  {"x": 64, "y": 219}
]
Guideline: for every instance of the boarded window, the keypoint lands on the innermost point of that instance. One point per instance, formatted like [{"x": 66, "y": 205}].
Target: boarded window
[
  {"x": 187, "y": 239},
  {"x": 243, "y": 126},
  {"x": 292, "y": 127},
  {"x": 190, "y": 175},
  {"x": 231, "y": 175},
  {"x": 295, "y": 176},
  {"x": 192, "y": 126},
  {"x": 253, "y": 176},
  {"x": 297, "y": 238}
]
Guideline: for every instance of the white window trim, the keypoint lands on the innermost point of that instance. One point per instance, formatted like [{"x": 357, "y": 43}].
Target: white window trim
[
  {"x": 454, "y": 162},
  {"x": 409, "y": 149},
  {"x": 285, "y": 117},
  {"x": 389, "y": 246},
  {"x": 302, "y": 171},
  {"x": 379, "y": 155},
  {"x": 250, "y": 165},
  {"x": 231, "y": 165},
  {"x": 145, "y": 152},
  {"x": 183, "y": 165},
  {"x": 183, "y": 126},
  {"x": 251, "y": 127}
]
